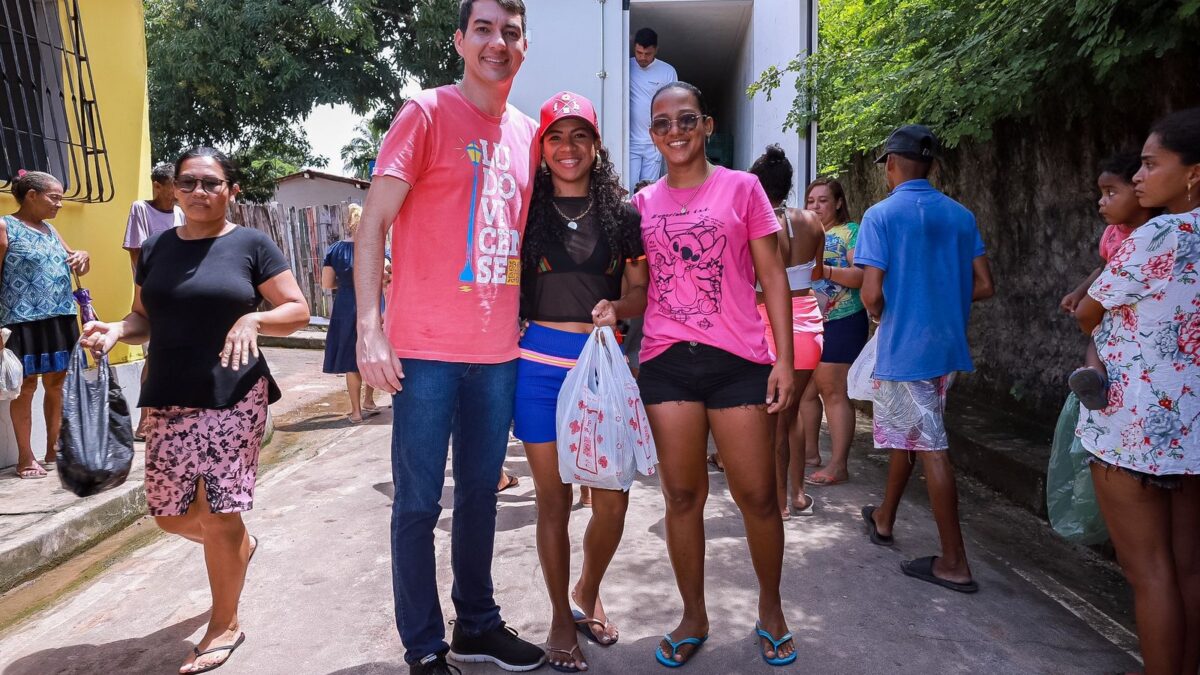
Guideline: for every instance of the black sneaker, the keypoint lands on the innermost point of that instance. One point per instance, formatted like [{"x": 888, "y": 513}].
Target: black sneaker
[
  {"x": 500, "y": 646},
  {"x": 434, "y": 664}
]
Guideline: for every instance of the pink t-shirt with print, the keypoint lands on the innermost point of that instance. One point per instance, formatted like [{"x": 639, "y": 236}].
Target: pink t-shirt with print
[
  {"x": 456, "y": 242},
  {"x": 701, "y": 272},
  {"x": 1111, "y": 240}
]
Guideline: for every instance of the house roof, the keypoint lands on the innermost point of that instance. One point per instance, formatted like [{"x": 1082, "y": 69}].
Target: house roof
[{"x": 313, "y": 174}]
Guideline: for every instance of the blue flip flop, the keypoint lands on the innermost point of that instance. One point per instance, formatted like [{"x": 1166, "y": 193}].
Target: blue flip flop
[
  {"x": 669, "y": 661},
  {"x": 775, "y": 644}
]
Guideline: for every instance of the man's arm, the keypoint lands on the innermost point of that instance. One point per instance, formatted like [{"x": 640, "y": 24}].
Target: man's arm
[
  {"x": 982, "y": 273},
  {"x": 872, "y": 291},
  {"x": 377, "y": 360}
]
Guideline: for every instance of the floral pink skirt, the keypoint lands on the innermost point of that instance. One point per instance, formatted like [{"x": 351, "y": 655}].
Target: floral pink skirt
[{"x": 220, "y": 446}]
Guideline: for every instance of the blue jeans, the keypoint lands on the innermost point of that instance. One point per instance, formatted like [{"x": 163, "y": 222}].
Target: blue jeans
[{"x": 473, "y": 403}]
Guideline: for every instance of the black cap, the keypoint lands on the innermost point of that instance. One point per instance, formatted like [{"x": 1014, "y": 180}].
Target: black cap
[{"x": 914, "y": 141}]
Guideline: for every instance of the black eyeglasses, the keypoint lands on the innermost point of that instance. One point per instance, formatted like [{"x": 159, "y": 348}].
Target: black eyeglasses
[
  {"x": 661, "y": 126},
  {"x": 209, "y": 185}
]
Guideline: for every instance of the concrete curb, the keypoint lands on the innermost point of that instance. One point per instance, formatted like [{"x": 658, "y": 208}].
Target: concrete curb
[
  {"x": 77, "y": 528},
  {"x": 70, "y": 532},
  {"x": 304, "y": 341},
  {"x": 1006, "y": 454}
]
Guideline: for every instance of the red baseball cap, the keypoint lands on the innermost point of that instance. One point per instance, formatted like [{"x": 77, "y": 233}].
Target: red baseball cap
[{"x": 566, "y": 104}]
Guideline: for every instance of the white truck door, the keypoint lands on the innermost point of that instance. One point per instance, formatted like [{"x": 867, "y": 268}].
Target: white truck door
[{"x": 581, "y": 46}]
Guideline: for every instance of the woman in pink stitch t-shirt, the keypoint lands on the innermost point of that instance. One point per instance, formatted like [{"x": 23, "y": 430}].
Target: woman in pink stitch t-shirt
[{"x": 708, "y": 232}]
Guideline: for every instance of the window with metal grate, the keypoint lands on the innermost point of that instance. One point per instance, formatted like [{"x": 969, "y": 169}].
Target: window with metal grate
[{"x": 49, "y": 120}]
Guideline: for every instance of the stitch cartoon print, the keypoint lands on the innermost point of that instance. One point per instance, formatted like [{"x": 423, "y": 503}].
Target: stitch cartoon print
[{"x": 688, "y": 267}]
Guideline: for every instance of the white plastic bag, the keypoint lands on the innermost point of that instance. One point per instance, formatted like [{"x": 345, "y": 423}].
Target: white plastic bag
[
  {"x": 603, "y": 435},
  {"x": 11, "y": 370},
  {"x": 860, "y": 383}
]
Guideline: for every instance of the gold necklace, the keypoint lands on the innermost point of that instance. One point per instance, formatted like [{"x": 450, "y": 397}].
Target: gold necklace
[
  {"x": 572, "y": 222},
  {"x": 683, "y": 206}
]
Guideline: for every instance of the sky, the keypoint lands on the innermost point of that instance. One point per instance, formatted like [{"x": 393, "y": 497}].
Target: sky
[{"x": 329, "y": 127}]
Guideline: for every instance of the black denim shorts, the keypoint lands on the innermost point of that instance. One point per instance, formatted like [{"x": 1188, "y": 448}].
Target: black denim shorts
[
  {"x": 1166, "y": 482},
  {"x": 691, "y": 371}
]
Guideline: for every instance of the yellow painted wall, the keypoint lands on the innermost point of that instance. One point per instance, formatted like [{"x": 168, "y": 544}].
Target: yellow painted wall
[{"x": 116, "y": 43}]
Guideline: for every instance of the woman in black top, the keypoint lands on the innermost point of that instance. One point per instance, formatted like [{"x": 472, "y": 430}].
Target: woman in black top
[
  {"x": 582, "y": 246},
  {"x": 197, "y": 289}
]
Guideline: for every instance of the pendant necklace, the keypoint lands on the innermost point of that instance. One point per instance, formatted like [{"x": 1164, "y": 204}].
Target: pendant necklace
[
  {"x": 572, "y": 223},
  {"x": 683, "y": 205}
]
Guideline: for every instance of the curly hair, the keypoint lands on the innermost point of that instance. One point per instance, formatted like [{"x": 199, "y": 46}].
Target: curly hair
[
  {"x": 608, "y": 200},
  {"x": 353, "y": 218},
  {"x": 774, "y": 171}
]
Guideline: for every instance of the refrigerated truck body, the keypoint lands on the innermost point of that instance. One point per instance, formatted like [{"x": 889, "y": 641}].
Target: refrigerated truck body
[{"x": 721, "y": 46}]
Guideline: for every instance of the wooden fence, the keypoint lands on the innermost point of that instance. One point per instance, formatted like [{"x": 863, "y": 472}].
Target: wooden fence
[{"x": 303, "y": 235}]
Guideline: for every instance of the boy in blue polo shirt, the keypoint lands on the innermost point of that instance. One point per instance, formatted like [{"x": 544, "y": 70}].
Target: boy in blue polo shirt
[{"x": 924, "y": 265}]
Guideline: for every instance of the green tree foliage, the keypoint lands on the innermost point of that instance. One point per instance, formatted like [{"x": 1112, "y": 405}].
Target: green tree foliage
[
  {"x": 960, "y": 66},
  {"x": 242, "y": 75},
  {"x": 422, "y": 35},
  {"x": 267, "y": 160},
  {"x": 358, "y": 154}
]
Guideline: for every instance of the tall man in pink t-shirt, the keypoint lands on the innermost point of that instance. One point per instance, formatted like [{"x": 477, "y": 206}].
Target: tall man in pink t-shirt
[{"x": 453, "y": 181}]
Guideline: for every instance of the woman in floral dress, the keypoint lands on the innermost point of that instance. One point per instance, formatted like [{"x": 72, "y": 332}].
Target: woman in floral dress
[{"x": 1144, "y": 314}]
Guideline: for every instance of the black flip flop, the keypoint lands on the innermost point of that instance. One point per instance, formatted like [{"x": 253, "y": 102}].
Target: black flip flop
[
  {"x": 868, "y": 514},
  {"x": 922, "y": 568},
  {"x": 714, "y": 463},
  {"x": 230, "y": 648},
  {"x": 512, "y": 482}
]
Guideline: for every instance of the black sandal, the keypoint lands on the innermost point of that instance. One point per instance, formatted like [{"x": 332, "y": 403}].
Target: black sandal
[
  {"x": 230, "y": 648},
  {"x": 868, "y": 514},
  {"x": 512, "y": 482},
  {"x": 922, "y": 568},
  {"x": 1090, "y": 386}
]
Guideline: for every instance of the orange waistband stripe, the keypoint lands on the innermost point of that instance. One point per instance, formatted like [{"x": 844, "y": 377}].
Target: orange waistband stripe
[{"x": 538, "y": 357}]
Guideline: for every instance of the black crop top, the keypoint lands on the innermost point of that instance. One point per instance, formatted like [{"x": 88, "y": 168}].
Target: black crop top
[{"x": 574, "y": 274}]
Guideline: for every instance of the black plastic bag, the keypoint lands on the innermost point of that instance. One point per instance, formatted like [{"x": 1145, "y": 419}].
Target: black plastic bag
[{"x": 97, "y": 438}]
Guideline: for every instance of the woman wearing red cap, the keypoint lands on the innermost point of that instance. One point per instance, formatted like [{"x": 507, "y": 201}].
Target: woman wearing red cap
[{"x": 582, "y": 245}]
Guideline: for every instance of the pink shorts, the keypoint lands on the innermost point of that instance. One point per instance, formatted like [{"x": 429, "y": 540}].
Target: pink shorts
[
  {"x": 807, "y": 332},
  {"x": 221, "y": 446}
]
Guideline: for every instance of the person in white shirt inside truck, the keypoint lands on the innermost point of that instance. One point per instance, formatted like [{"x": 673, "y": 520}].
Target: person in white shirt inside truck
[{"x": 647, "y": 75}]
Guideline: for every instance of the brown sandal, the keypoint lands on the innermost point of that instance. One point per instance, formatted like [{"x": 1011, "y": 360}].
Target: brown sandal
[
  {"x": 568, "y": 667},
  {"x": 584, "y": 623}
]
